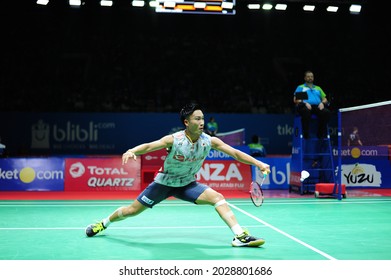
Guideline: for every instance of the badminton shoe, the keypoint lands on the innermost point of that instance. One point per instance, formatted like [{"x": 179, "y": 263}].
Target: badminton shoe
[
  {"x": 94, "y": 229},
  {"x": 246, "y": 240}
]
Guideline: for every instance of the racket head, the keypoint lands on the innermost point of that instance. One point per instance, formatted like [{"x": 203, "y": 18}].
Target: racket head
[{"x": 256, "y": 194}]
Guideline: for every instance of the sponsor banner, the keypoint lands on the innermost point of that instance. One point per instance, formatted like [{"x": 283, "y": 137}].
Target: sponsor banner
[
  {"x": 31, "y": 174},
  {"x": 108, "y": 174},
  {"x": 362, "y": 151},
  {"x": 110, "y": 133},
  {"x": 369, "y": 172},
  {"x": 65, "y": 136},
  {"x": 101, "y": 174},
  {"x": 365, "y": 166},
  {"x": 280, "y": 175},
  {"x": 361, "y": 174},
  {"x": 295, "y": 178},
  {"x": 225, "y": 175},
  {"x": 217, "y": 155},
  {"x": 213, "y": 173}
]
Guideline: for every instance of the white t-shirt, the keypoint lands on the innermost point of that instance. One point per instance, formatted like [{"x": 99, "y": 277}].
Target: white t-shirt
[{"x": 184, "y": 160}]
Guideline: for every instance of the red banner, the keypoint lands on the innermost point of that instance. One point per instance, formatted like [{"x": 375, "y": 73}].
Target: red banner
[
  {"x": 225, "y": 175},
  {"x": 155, "y": 158},
  {"x": 217, "y": 174},
  {"x": 101, "y": 174},
  {"x": 295, "y": 178}
]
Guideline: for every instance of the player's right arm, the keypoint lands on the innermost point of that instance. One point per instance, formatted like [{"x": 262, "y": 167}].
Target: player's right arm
[{"x": 164, "y": 142}]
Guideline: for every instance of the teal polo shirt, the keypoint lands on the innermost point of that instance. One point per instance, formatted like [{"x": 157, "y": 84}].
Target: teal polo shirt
[{"x": 315, "y": 94}]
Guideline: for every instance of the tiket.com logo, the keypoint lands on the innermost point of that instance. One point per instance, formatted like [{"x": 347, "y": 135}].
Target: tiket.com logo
[
  {"x": 355, "y": 152},
  {"x": 77, "y": 170},
  {"x": 28, "y": 175}
]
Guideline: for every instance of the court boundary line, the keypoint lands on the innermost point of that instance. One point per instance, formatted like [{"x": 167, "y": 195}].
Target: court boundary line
[
  {"x": 177, "y": 203},
  {"x": 283, "y": 233},
  {"x": 125, "y": 227}
]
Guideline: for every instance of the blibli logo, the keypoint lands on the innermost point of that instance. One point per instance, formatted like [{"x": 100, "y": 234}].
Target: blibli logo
[
  {"x": 40, "y": 133},
  {"x": 217, "y": 154},
  {"x": 74, "y": 132}
]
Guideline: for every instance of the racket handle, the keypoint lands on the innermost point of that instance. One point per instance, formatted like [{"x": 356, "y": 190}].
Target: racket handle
[{"x": 263, "y": 172}]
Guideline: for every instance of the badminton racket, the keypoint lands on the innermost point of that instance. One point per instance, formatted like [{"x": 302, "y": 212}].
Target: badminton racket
[{"x": 256, "y": 192}]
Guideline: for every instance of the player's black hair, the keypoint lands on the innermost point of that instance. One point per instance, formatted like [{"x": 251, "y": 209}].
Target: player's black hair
[{"x": 187, "y": 110}]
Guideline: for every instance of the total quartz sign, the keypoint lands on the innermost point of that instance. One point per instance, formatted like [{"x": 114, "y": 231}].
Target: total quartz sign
[{"x": 101, "y": 174}]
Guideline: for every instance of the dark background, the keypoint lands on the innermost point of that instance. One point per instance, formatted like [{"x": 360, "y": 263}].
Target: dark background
[{"x": 125, "y": 59}]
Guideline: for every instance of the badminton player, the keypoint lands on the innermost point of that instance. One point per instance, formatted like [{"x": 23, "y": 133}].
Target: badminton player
[{"x": 187, "y": 150}]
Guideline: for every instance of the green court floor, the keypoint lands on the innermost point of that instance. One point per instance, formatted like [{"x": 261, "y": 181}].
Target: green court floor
[{"x": 294, "y": 229}]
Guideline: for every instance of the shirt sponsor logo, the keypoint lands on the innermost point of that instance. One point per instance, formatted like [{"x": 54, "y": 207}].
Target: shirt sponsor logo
[{"x": 179, "y": 157}]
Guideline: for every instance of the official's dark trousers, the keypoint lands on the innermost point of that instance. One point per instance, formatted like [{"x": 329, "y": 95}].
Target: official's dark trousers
[{"x": 323, "y": 119}]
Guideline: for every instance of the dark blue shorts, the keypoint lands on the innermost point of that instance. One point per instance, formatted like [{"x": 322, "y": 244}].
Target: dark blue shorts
[{"x": 155, "y": 193}]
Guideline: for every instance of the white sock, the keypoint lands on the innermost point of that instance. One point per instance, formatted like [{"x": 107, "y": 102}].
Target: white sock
[
  {"x": 106, "y": 222},
  {"x": 237, "y": 229}
]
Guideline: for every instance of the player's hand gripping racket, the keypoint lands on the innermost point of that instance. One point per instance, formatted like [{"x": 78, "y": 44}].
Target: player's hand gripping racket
[{"x": 256, "y": 192}]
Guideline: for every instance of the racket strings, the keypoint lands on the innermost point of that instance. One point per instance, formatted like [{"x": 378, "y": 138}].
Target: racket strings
[{"x": 256, "y": 194}]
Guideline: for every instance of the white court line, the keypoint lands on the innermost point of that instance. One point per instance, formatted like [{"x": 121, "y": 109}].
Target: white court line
[
  {"x": 181, "y": 204},
  {"x": 130, "y": 228},
  {"x": 317, "y": 202},
  {"x": 284, "y": 233}
]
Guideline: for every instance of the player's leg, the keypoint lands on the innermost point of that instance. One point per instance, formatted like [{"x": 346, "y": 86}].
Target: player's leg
[
  {"x": 125, "y": 212},
  {"x": 151, "y": 196},
  {"x": 212, "y": 197},
  {"x": 241, "y": 237},
  {"x": 121, "y": 213}
]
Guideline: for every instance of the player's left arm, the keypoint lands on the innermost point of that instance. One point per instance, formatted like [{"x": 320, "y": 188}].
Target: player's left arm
[
  {"x": 221, "y": 146},
  {"x": 164, "y": 142}
]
